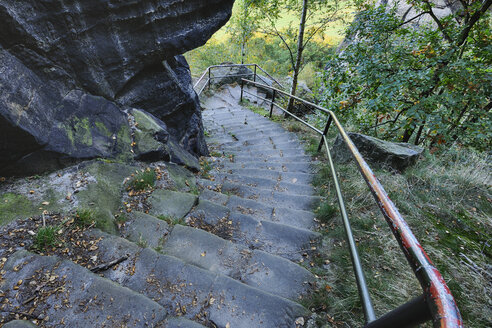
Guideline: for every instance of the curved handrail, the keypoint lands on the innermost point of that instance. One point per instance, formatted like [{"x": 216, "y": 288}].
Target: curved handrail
[
  {"x": 209, "y": 69},
  {"x": 437, "y": 298}
]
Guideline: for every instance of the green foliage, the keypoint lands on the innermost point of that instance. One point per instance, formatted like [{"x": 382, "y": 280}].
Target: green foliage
[
  {"x": 142, "y": 180},
  {"x": 46, "y": 238},
  {"x": 425, "y": 85}
]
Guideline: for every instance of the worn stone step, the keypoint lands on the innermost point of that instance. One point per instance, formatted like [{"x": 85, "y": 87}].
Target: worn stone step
[
  {"x": 264, "y": 203},
  {"x": 264, "y": 154},
  {"x": 293, "y": 188},
  {"x": 239, "y": 158},
  {"x": 223, "y": 136},
  {"x": 275, "y": 238},
  {"x": 301, "y": 167},
  {"x": 272, "y": 198},
  {"x": 192, "y": 292},
  {"x": 243, "y": 147},
  {"x": 171, "y": 204},
  {"x": 255, "y": 268},
  {"x": 70, "y": 295},
  {"x": 290, "y": 177},
  {"x": 261, "y": 140},
  {"x": 247, "y": 134}
]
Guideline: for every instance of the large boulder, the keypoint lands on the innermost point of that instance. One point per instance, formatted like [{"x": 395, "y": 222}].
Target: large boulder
[
  {"x": 71, "y": 70},
  {"x": 397, "y": 156},
  {"x": 407, "y": 11}
]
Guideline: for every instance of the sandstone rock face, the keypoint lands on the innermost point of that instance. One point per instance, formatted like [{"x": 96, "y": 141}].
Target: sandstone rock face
[
  {"x": 397, "y": 156},
  {"x": 71, "y": 71},
  {"x": 406, "y": 10}
]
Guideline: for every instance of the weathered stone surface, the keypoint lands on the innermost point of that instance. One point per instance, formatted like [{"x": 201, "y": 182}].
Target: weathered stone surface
[
  {"x": 69, "y": 68},
  {"x": 230, "y": 75},
  {"x": 171, "y": 204},
  {"x": 406, "y": 10},
  {"x": 143, "y": 228},
  {"x": 378, "y": 152},
  {"x": 81, "y": 288},
  {"x": 19, "y": 324}
]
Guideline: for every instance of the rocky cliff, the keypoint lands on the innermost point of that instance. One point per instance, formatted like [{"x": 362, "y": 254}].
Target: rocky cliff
[
  {"x": 73, "y": 72},
  {"x": 408, "y": 11}
]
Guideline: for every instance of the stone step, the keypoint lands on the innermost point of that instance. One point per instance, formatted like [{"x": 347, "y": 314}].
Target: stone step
[
  {"x": 264, "y": 154},
  {"x": 186, "y": 290},
  {"x": 243, "y": 147},
  {"x": 273, "y": 274},
  {"x": 295, "y": 210},
  {"x": 259, "y": 141},
  {"x": 285, "y": 159},
  {"x": 301, "y": 167},
  {"x": 255, "y": 268},
  {"x": 62, "y": 293},
  {"x": 272, "y": 198},
  {"x": 242, "y": 174},
  {"x": 275, "y": 238},
  {"x": 221, "y": 134},
  {"x": 292, "y": 188}
]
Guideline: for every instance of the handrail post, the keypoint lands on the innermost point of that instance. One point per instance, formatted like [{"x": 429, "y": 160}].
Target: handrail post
[
  {"x": 242, "y": 89},
  {"x": 254, "y": 77},
  {"x": 209, "y": 77},
  {"x": 273, "y": 101},
  {"x": 325, "y": 132},
  {"x": 354, "y": 255}
]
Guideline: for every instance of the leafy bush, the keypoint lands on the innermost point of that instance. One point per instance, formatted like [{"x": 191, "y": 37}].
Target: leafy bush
[{"x": 426, "y": 85}]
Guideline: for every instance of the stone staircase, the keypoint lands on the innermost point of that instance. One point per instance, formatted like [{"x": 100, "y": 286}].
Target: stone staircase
[{"x": 230, "y": 256}]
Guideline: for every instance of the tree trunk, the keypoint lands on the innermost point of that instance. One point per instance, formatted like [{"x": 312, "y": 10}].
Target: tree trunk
[{"x": 300, "y": 49}]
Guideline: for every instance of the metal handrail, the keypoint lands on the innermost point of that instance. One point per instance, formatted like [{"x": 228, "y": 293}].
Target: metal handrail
[
  {"x": 210, "y": 77},
  {"x": 437, "y": 302}
]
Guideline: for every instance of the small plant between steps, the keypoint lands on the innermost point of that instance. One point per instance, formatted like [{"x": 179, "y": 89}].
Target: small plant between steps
[
  {"x": 84, "y": 217},
  {"x": 172, "y": 221},
  {"x": 142, "y": 180},
  {"x": 46, "y": 238}
]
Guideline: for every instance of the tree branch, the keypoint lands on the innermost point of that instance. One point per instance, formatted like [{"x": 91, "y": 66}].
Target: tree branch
[
  {"x": 473, "y": 19},
  {"x": 438, "y": 22}
]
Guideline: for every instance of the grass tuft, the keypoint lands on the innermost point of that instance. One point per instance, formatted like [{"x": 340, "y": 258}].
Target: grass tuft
[
  {"x": 142, "y": 180},
  {"x": 46, "y": 238},
  {"x": 172, "y": 220},
  {"x": 84, "y": 217}
]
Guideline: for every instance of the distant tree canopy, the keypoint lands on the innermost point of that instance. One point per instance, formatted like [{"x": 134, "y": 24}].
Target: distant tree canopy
[
  {"x": 426, "y": 85},
  {"x": 263, "y": 16}
]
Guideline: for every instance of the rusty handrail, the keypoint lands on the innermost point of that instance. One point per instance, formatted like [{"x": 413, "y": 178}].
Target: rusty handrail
[{"x": 437, "y": 302}]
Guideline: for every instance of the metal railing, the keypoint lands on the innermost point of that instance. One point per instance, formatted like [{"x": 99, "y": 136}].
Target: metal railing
[
  {"x": 208, "y": 72},
  {"x": 436, "y": 302}
]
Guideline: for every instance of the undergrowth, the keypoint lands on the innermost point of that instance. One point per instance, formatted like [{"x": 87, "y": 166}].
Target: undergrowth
[{"x": 447, "y": 202}]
